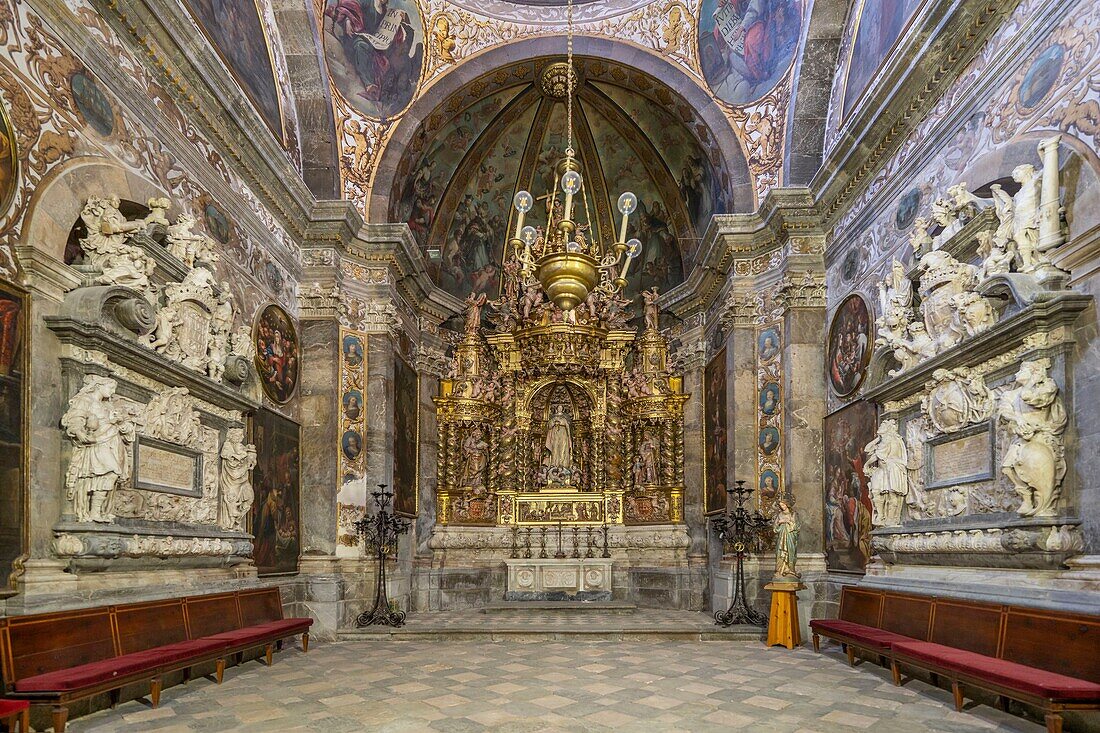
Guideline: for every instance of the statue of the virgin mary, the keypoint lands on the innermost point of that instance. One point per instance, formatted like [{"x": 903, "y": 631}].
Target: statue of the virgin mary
[{"x": 559, "y": 438}]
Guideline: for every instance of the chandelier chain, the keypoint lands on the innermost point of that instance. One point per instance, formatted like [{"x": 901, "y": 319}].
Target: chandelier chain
[{"x": 569, "y": 79}]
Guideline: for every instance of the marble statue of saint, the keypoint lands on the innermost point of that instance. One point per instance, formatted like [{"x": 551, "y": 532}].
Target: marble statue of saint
[
  {"x": 101, "y": 433},
  {"x": 1036, "y": 417},
  {"x": 652, "y": 314},
  {"x": 785, "y": 526},
  {"x": 887, "y": 474},
  {"x": 236, "y": 488},
  {"x": 559, "y": 439}
]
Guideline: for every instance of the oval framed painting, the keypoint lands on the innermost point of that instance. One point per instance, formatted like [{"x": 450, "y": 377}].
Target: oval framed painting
[
  {"x": 375, "y": 53},
  {"x": 276, "y": 342},
  {"x": 746, "y": 47},
  {"x": 9, "y": 163},
  {"x": 849, "y": 345}
]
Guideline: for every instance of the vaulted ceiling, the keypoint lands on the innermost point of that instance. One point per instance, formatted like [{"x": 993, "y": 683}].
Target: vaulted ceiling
[{"x": 455, "y": 184}]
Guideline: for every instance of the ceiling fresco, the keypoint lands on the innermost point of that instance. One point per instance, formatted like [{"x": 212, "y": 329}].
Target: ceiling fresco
[
  {"x": 457, "y": 180},
  {"x": 385, "y": 56},
  {"x": 237, "y": 33},
  {"x": 878, "y": 26}
]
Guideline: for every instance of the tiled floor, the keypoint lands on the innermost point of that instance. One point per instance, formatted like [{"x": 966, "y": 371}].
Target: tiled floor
[{"x": 518, "y": 686}]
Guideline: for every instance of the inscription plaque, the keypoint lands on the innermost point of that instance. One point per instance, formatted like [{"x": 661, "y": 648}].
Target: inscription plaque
[
  {"x": 961, "y": 458},
  {"x": 169, "y": 468}
]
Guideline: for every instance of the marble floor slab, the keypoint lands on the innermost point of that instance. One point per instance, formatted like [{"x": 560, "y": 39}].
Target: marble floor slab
[{"x": 464, "y": 687}]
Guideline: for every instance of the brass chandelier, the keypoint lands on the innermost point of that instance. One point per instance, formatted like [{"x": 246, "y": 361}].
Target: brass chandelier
[{"x": 566, "y": 264}]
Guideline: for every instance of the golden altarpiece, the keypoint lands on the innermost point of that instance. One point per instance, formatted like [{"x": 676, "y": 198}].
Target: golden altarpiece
[{"x": 559, "y": 416}]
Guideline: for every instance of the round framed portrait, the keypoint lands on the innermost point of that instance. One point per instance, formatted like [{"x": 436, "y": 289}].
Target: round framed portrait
[
  {"x": 769, "y": 398},
  {"x": 353, "y": 405},
  {"x": 849, "y": 345},
  {"x": 277, "y": 351},
  {"x": 769, "y": 484},
  {"x": 1041, "y": 76},
  {"x": 769, "y": 441},
  {"x": 351, "y": 442},
  {"x": 767, "y": 344}
]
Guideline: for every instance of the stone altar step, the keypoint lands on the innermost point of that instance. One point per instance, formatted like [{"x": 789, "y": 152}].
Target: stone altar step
[
  {"x": 530, "y": 625},
  {"x": 511, "y": 608}
]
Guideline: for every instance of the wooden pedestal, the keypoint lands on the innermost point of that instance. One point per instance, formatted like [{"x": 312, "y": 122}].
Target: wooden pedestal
[{"x": 783, "y": 625}]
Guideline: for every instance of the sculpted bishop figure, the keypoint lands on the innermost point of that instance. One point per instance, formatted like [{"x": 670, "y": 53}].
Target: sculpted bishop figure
[{"x": 559, "y": 438}]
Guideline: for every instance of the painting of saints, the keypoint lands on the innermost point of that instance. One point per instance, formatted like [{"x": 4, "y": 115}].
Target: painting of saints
[
  {"x": 849, "y": 345},
  {"x": 353, "y": 351},
  {"x": 276, "y": 480},
  {"x": 236, "y": 31},
  {"x": 276, "y": 353},
  {"x": 879, "y": 24},
  {"x": 374, "y": 50},
  {"x": 13, "y": 362},
  {"x": 746, "y": 46},
  {"x": 847, "y": 502},
  {"x": 714, "y": 401},
  {"x": 405, "y": 436}
]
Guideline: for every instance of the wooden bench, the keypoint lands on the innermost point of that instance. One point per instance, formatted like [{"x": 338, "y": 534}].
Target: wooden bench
[
  {"x": 16, "y": 715},
  {"x": 1043, "y": 658},
  {"x": 58, "y": 658}
]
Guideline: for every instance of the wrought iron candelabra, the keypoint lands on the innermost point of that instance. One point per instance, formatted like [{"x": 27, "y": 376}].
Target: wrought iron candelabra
[
  {"x": 379, "y": 535},
  {"x": 742, "y": 532}
]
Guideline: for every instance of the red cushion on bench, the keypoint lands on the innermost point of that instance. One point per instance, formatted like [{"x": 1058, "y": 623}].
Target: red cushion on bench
[
  {"x": 11, "y": 707},
  {"x": 172, "y": 653},
  {"x": 1030, "y": 680},
  {"x": 265, "y": 631},
  {"x": 878, "y": 638},
  {"x": 86, "y": 675}
]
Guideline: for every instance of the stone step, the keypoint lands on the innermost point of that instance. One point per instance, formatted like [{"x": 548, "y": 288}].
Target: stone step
[
  {"x": 532, "y": 633},
  {"x": 581, "y": 607}
]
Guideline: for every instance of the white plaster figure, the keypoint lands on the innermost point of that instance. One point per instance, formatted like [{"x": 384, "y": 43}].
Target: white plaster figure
[
  {"x": 1036, "y": 418},
  {"x": 237, "y": 459},
  {"x": 887, "y": 474},
  {"x": 101, "y": 432}
]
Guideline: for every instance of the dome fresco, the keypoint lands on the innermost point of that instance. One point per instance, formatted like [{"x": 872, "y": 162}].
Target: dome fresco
[{"x": 455, "y": 192}]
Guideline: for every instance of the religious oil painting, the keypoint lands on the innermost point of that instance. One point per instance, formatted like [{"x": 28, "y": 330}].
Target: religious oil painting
[
  {"x": 907, "y": 209},
  {"x": 714, "y": 400},
  {"x": 769, "y": 485},
  {"x": 277, "y": 483},
  {"x": 1041, "y": 76},
  {"x": 374, "y": 50},
  {"x": 849, "y": 346},
  {"x": 276, "y": 353},
  {"x": 746, "y": 46},
  {"x": 405, "y": 432},
  {"x": 352, "y": 444},
  {"x": 879, "y": 25},
  {"x": 9, "y": 162},
  {"x": 92, "y": 103},
  {"x": 237, "y": 33},
  {"x": 13, "y": 363},
  {"x": 847, "y": 503}
]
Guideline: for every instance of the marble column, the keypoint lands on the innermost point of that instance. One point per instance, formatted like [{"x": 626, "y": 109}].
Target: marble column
[
  {"x": 320, "y": 388},
  {"x": 694, "y": 479},
  {"x": 47, "y": 279}
]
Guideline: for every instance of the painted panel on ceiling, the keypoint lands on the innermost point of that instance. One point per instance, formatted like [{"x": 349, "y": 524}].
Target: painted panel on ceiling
[
  {"x": 879, "y": 25},
  {"x": 238, "y": 35},
  {"x": 375, "y": 53}
]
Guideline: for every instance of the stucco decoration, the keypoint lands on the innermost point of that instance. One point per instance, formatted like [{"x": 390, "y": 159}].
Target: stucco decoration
[
  {"x": 956, "y": 398},
  {"x": 101, "y": 430},
  {"x": 106, "y": 249},
  {"x": 188, "y": 246},
  {"x": 1036, "y": 418}
]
